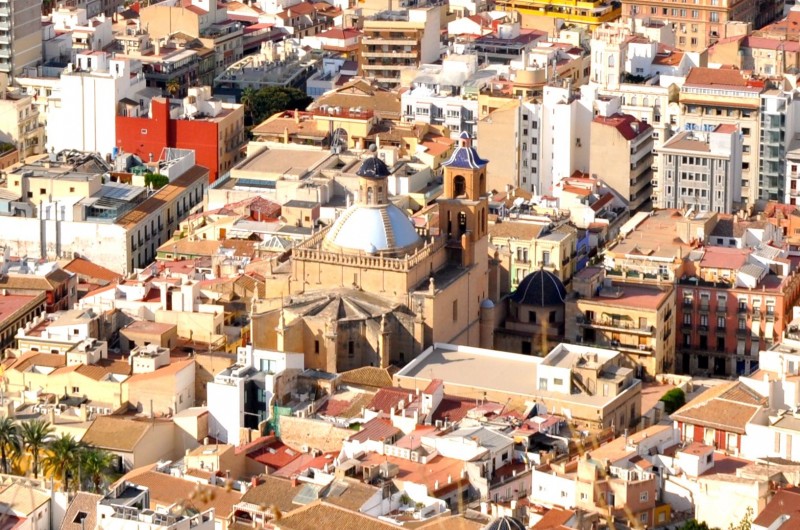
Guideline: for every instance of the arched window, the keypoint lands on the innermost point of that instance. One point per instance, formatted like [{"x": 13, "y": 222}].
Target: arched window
[
  {"x": 459, "y": 186},
  {"x": 369, "y": 195},
  {"x": 462, "y": 222}
]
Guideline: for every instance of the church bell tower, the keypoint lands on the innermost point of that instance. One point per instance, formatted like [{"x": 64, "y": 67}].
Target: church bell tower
[{"x": 464, "y": 206}]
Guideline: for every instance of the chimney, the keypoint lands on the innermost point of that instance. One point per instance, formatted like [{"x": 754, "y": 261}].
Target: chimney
[
  {"x": 254, "y": 481},
  {"x": 294, "y": 481},
  {"x": 296, "y": 116}
]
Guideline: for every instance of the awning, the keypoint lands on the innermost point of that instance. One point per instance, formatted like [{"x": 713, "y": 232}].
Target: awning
[{"x": 769, "y": 334}]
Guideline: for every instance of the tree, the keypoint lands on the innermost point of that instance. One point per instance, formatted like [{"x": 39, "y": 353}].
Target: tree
[
  {"x": 96, "y": 466},
  {"x": 35, "y": 435},
  {"x": 173, "y": 87},
  {"x": 746, "y": 523},
  {"x": 62, "y": 458},
  {"x": 263, "y": 103},
  {"x": 673, "y": 400},
  {"x": 694, "y": 524},
  {"x": 156, "y": 180},
  {"x": 10, "y": 444}
]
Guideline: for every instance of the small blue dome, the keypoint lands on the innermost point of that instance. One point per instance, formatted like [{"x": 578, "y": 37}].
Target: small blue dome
[
  {"x": 540, "y": 288},
  {"x": 373, "y": 168}
]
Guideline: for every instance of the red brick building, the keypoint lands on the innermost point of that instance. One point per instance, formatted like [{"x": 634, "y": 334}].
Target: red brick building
[
  {"x": 214, "y": 130},
  {"x": 732, "y": 303}
]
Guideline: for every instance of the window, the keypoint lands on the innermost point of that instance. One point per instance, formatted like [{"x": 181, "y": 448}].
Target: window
[
  {"x": 584, "y": 496},
  {"x": 455, "y": 310},
  {"x": 643, "y": 497},
  {"x": 316, "y": 347},
  {"x": 351, "y": 348},
  {"x": 558, "y": 382},
  {"x": 542, "y": 383},
  {"x": 546, "y": 258},
  {"x": 75, "y": 390},
  {"x": 643, "y": 517}
]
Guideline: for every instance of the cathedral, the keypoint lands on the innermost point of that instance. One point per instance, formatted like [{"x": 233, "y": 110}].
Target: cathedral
[{"x": 373, "y": 290}]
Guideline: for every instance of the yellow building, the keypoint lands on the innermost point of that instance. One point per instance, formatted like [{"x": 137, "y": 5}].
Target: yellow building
[
  {"x": 582, "y": 13},
  {"x": 19, "y": 123},
  {"x": 637, "y": 319},
  {"x": 370, "y": 290},
  {"x": 523, "y": 247}
]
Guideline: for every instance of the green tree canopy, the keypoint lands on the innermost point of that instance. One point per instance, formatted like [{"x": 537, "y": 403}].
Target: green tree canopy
[
  {"x": 694, "y": 524},
  {"x": 35, "y": 434},
  {"x": 263, "y": 103},
  {"x": 156, "y": 180},
  {"x": 673, "y": 400}
]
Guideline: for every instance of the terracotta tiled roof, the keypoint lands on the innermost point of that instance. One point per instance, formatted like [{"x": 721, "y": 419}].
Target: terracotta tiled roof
[
  {"x": 277, "y": 492},
  {"x": 554, "y": 518},
  {"x": 721, "y": 77},
  {"x": 165, "y": 371},
  {"x": 387, "y": 398},
  {"x": 785, "y": 503},
  {"x": 166, "y": 490},
  {"x": 85, "y": 268},
  {"x": 275, "y": 455},
  {"x": 368, "y": 376},
  {"x": 310, "y": 516},
  {"x": 26, "y": 360},
  {"x": 83, "y": 503},
  {"x": 377, "y": 430},
  {"x": 727, "y": 407},
  {"x": 517, "y": 230},
  {"x": 116, "y": 433},
  {"x": 629, "y": 127}
]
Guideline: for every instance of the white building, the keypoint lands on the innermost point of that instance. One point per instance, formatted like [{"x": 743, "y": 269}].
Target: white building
[
  {"x": 82, "y": 113},
  {"x": 700, "y": 170},
  {"x": 566, "y": 124},
  {"x": 127, "y": 507},
  {"x": 241, "y": 396}
]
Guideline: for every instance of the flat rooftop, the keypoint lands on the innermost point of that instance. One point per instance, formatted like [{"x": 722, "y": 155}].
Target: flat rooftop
[
  {"x": 569, "y": 355},
  {"x": 476, "y": 367},
  {"x": 289, "y": 163},
  {"x": 631, "y": 296}
]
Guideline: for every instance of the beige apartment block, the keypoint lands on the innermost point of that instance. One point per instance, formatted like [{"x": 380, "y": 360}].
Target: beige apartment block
[
  {"x": 621, "y": 156},
  {"x": 703, "y": 23},
  {"x": 395, "y": 40},
  {"x": 19, "y": 123},
  {"x": 725, "y": 96},
  {"x": 524, "y": 247},
  {"x": 635, "y": 319}
]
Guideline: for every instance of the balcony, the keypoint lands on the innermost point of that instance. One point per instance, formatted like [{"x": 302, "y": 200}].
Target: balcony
[
  {"x": 393, "y": 54},
  {"x": 722, "y": 310},
  {"x": 617, "y": 325},
  {"x": 688, "y": 304},
  {"x": 742, "y": 333},
  {"x": 704, "y": 307},
  {"x": 641, "y": 349},
  {"x": 794, "y": 193}
]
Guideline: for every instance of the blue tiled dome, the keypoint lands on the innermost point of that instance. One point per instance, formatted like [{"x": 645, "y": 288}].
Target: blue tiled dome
[
  {"x": 540, "y": 288},
  {"x": 465, "y": 156},
  {"x": 373, "y": 168}
]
